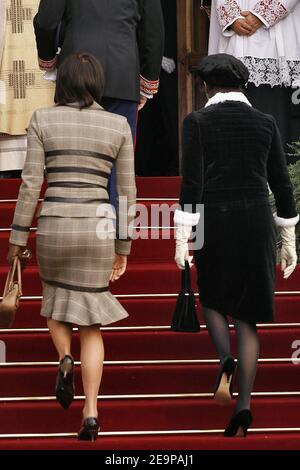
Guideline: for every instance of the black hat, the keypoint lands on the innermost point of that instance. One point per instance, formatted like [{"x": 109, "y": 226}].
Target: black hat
[{"x": 223, "y": 70}]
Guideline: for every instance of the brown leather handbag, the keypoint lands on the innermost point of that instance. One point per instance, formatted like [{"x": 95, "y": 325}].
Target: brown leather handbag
[{"x": 11, "y": 295}]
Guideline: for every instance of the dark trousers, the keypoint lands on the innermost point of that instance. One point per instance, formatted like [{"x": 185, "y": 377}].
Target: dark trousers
[
  {"x": 128, "y": 109},
  {"x": 157, "y": 137}
]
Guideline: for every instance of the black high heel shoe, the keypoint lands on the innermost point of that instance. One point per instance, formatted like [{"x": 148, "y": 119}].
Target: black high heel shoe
[
  {"x": 239, "y": 424},
  {"x": 65, "y": 388},
  {"x": 224, "y": 387},
  {"x": 89, "y": 430}
]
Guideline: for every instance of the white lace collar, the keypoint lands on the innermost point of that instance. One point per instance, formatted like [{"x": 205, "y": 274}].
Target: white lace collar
[{"x": 230, "y": 96}]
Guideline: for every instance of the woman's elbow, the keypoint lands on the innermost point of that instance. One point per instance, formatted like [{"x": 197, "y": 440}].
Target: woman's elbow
[{"x": 44, "y": 23}]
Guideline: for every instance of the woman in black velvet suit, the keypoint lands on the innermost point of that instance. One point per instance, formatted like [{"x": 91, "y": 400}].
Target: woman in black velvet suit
[{"x": 231, "y": 152}]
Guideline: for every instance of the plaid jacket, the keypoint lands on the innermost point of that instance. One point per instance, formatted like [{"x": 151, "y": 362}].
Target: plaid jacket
[{"x": 78, "y": 148}]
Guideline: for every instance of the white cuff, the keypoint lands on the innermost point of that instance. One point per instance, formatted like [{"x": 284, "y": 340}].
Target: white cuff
[
  {"x": 186, "y": 218},
  {"x": 281, "y": 222},
  {"x": 149, "y": 97}
]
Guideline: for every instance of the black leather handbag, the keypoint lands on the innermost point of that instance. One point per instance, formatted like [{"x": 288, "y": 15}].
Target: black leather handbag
[{"x": 185, "y": 317}]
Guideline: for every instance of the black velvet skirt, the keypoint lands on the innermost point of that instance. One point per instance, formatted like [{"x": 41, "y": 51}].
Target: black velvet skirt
[{"x": 237, "y": 265}]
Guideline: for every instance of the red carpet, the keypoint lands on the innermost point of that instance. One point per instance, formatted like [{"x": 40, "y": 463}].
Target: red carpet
[
  {"x": 148, "y": 278},
  {"x": 175, "y": 378},
  {"x": 157, "y": 312},
  {"x": 126, "y": 404},
  {"x": 145, "y": 345},
  {"x": 261, "y": 441},
  {"x": 155, "y": 414}
]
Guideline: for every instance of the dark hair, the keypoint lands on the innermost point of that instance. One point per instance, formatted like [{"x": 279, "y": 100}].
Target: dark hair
[
  {"x": 212, "y": 89},
  {"x": 80, "y": 78}
]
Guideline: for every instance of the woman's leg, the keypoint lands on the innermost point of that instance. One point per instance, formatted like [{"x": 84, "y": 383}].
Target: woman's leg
[
  {"x": 92, "y": 357},
  {"x": 61, "y": 334},
  {"x": 248, "y": 354},
  {"x": 218, "y": 329}
]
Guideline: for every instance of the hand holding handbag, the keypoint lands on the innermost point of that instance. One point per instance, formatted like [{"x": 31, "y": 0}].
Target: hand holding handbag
[
  {"x": 185, "y": 317},
  {"x": 11, "y": 295}
]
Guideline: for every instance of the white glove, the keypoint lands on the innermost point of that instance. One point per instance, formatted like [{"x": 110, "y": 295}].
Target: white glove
[
  {"x": 288, "y": 252},
  {"x": 50, "y": 76},
  {"x": 168, "y": 65},
  {"x": 182, "y": 235}
]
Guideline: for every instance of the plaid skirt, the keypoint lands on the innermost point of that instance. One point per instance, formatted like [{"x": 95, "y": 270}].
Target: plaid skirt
[{"x": 75, "y": 266}]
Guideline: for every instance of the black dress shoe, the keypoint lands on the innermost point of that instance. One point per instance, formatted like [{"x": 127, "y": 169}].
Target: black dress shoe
[
  {"x": 65, "y": 389},
  {"x": 239, "y": 424},
  {"x": 224, "y": 386},
  {"x": 89, "y": 430}
]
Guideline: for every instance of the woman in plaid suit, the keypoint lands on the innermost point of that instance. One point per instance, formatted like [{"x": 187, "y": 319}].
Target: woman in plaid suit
[{"x": 78, "y": 143}]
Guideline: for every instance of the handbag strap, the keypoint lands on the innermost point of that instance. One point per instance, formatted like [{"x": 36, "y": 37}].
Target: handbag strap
[
  {"x": 19, "y": 278},
  {"x": 16, "y": 265},
  {"x": 9, "y": 277},
  {"x": 186, "y": 278}
]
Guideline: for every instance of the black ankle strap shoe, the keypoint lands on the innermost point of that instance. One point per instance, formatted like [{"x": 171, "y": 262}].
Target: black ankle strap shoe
[
  {"x": 239, "y": 424},
  {"x": 224, "y": 385},
  {"x": 65, "y": 388},
  {"x": 89, "y": 430}
]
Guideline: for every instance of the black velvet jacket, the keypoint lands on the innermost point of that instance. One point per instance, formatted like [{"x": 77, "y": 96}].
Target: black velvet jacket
[
  {"x": 230, "y": 152},
  {"x": 126, "y": 35}
]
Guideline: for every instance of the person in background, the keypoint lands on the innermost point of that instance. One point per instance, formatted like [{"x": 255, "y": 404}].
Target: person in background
[
  {"x": 23, "y": 88},
  {"x": 264, "y": 34},
  {"x": 126, "y": 36},
  {"x": 231, "y": 152},
  {"x": 77, "y": 250}
]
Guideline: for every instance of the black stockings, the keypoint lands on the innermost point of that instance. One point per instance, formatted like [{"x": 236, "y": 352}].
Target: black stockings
[{"x": 247, "y": 349}]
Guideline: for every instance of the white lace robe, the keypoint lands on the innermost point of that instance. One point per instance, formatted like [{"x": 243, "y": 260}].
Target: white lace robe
[{"x": 272, "y": 54}]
